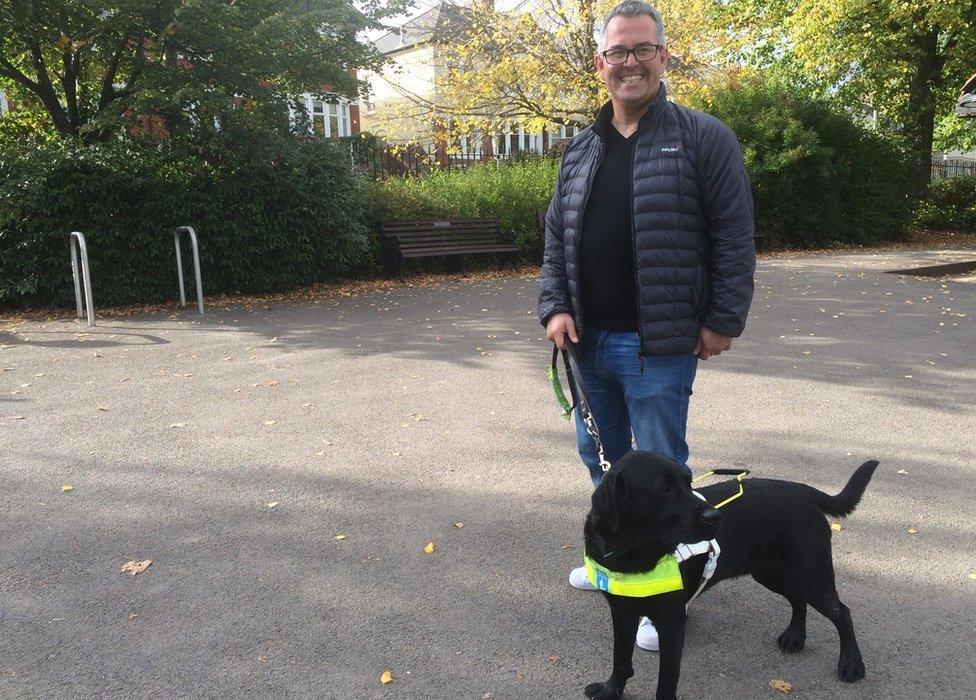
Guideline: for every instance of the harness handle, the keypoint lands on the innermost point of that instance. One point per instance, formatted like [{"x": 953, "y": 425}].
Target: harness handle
[{"x": 739, "y": 475}]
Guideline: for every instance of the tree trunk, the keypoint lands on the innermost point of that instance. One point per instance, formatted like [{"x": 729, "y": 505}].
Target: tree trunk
[{"x": 920, "y": 122}]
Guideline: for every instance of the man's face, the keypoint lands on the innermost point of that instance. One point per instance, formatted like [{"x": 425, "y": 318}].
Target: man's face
[{"x": 632, "y": 83}]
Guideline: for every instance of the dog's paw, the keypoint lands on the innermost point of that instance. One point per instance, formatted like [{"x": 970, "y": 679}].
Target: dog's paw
[
  {"x": 850, "y": 668},
  {"x": 792, "y": 640},
  {"x": 602, "y": 691}
]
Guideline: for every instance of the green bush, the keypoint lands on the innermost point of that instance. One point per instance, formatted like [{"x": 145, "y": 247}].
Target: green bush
[
  {"x": 949, "y": 204},
  {"x": 271, "y": 211},
  {"x": 514, "y": 193},
  {"x": 819, "y": 177}
]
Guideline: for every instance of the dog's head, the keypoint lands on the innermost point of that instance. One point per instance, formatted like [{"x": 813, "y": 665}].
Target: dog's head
[{"x": 644, "y": 502}]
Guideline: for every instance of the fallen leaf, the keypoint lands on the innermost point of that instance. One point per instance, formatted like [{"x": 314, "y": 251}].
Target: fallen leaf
[
  {"x": 554, "y": 659},
  {"x": 569, "y": 546},
  {"x": 100, "y": 408},
  {"x": 972, "y": 576},
  {"x": 67, "y": 488},
  {"x": 836, "y": 526},
  {"x": 271, "y": 422},
  {"x": 133, "y": 616},
  {"x": 429, "y": 548},
  {"x": 262, "y": 658},
  {"x": 386, "y": 677},
  {"x": 458, "y": 525},
  {"x": 781, "y": 686},
  {"x": 340, "y": 537},
  {"x": 177, "y": 425},
  {"x": 272, "y": 504},
  {"x": 902, "y": 471},
  {"x": 136, "y": 567},
  {"x": 912, "y": 531}
]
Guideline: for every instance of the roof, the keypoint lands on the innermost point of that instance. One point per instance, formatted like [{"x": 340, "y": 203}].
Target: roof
[{"x": 444, "y": 20}]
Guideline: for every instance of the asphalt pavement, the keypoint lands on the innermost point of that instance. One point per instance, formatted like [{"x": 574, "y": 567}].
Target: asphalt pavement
[{"x": 284, "y": 464}]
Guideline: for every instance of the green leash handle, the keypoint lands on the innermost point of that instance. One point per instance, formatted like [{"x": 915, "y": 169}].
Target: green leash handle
[{"x": 560, "y": 394}]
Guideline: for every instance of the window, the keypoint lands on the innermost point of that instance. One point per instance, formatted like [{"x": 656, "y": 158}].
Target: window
[
  {"x": 567, "y": 132},
  {"x": 515, "y": 140},
  {"x": 329, "y": 118}
]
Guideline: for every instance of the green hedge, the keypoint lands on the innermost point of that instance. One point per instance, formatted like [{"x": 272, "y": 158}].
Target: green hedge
[
  {"x": 513, "y": 192},
  {"x": 272, "y": 212},
  {"x": 818, "y": 175},
  {"x": 949, "y": 205}
]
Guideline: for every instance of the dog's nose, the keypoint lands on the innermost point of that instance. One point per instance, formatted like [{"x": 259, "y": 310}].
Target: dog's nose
[{"x": 711, "y": 516}]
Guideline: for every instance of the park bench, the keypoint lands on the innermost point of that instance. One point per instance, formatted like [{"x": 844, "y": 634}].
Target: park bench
[{"x": 455, "y": 238}]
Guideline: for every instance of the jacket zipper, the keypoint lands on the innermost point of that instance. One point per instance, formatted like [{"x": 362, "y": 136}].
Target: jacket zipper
[
  {"x": 579, "y": 229},
  {"x": 633, "y": 243}
]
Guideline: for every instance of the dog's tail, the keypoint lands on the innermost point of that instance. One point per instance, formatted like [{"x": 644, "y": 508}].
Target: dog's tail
[{"x": 846, "y": 501}]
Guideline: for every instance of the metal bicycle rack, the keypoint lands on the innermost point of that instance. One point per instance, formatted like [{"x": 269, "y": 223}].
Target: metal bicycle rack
[
  {"x": 196, "y": 264},
  {"x": 76, "y": 242}
]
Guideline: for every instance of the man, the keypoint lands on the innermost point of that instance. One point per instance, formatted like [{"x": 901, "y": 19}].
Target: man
[{"x": 649, "y": 252}]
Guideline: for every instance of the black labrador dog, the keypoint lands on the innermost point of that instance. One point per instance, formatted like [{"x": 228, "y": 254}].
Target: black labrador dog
[{"x": 776, "y": 532}]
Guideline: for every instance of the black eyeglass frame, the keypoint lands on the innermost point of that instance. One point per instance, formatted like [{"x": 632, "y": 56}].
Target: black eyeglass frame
[{"x": 658, "y": 48}]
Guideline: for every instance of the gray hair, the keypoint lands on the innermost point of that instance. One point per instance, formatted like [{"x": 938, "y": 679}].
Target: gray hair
[{"x": 634, "y": 8}]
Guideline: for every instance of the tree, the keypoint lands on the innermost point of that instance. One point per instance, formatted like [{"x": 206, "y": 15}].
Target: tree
[
  {"x": 89, "y": 65},
  {"x": 533, "y": 64},
  {"x": 904, "y": 59}
]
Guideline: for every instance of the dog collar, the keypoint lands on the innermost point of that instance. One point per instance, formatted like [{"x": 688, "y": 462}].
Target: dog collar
[{"x": 665, "y": 577}]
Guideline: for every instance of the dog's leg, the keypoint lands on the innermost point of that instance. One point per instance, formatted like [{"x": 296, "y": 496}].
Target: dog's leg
[
  {"x": 625, "y": 621},
  {"x": 671, "y": 635},
  {"x": 850, "y": 667},
  {"x": 794, "y": 636}
]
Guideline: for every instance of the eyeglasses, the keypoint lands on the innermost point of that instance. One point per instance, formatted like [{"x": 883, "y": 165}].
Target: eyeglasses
[{"x": 644, "y": 52}]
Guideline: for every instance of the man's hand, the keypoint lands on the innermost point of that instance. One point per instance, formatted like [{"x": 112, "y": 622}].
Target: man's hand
[
  {"x": 558, "y": 327},
  {"x": 711, "y": 343}
]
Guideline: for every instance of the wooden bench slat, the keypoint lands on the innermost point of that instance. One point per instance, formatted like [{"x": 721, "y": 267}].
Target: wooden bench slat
[{"x": 442, "y": 237}]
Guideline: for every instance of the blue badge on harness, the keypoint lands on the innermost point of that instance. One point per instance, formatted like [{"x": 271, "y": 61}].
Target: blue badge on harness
[{"x": 602, "y": 582}]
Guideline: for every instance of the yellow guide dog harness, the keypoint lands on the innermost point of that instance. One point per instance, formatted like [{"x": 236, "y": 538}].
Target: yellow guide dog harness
[{"x": 665, "y": 577}]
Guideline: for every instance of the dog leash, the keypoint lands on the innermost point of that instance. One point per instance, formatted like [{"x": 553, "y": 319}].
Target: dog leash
[{"x": 578, "y": 391}]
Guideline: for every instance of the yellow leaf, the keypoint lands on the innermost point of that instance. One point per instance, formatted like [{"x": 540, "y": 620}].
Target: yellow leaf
[
  {"x": 67, "y": 488},
  {"x": 386, "y": 677},
  {"x": 272, "y": 504},
  {"x": 340, "y": 537},
  {"x": 177, "y": 425},
  {"x": 271, "y": 422},
  {"x": 429, "y": 549},
  {"x": 781, "y": 686},
  {"x": 136, "y": 567},
  {"x": 972, "y": 576},
  {"x": 458, "y": 525},
  {"x": 836, "y": 526},
  {"x": 912, "y": 531},
  {"x": 100, "y": 408}
]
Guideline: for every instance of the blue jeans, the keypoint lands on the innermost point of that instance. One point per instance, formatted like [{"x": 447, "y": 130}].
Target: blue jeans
[{"x": 651, "y": 405}]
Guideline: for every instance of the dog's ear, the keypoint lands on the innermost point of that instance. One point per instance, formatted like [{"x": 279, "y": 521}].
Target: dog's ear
[{"x": 609, "y": 502}]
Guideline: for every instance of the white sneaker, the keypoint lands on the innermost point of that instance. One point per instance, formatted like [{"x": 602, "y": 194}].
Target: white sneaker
[
  {"x": 579, "y": 579},
  {"x": 647, "y": 635}
]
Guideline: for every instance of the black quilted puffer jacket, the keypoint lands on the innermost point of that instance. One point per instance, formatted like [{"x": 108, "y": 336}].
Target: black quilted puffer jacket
[{"x": 692, "y": 227}]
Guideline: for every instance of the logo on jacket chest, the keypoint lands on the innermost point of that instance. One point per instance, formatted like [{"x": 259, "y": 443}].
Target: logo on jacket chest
[{"x": 669, "y": 149}]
